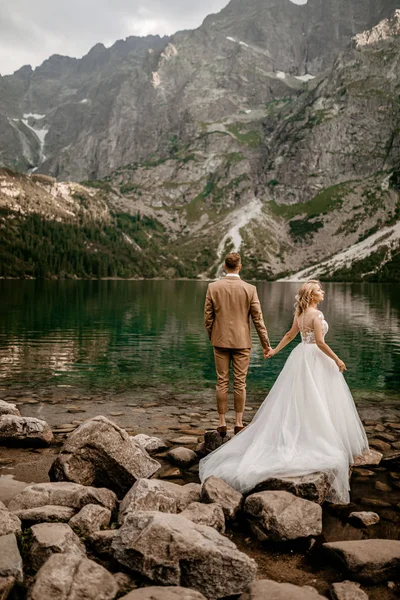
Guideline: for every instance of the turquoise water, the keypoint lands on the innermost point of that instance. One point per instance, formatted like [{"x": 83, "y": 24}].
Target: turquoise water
[{"x": 115, "y": 335}]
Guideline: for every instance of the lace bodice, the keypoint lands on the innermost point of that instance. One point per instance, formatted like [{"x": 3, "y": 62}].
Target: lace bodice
[{"x": 307, "y": 334}]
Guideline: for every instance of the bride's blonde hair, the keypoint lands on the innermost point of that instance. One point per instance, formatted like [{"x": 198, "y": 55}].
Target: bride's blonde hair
[{"x": 304, "y": 296}]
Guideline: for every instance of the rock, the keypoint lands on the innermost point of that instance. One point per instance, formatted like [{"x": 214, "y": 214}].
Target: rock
[
  {"x": 266, "y": 589},
  {"x": 101, "y": 542},
  {"x": 164, "y": 496},
  {"x": 10, "y": 558},
  {"x": 164, "y": 593},
  {"x": 99, "y": 452},
  {"x": 90, "y": 518},
  {"x": 51, "y": 538},
  {"x": 312, "y": 487},
  {"x": 386, "y": 437},
  {"x": 9, "y": 523},
  {"x": 183, "y": 457},
  {"x": 169, "y": 473},
  {"x": 393, "y": 425},
  {"x": 347, "y": 590},
  {"x": 63, "y": 493},
  {"x": 184, "y": 440},
  {"x": 369, "y": 459},
  {"x": 69, "y": 577},
  {"x": 206, "y": 514},
  {"x": 392, "y": 460},
  {"x": 382, "y": 487},
  {"x": 8, "y": 409},
  {"x": 149, "y": 443},
  {"x": 213, "y": 440},
  {"x": 380, "y": 445},
  {"x": 217, "y": 490},
  {"x": 375, "y": 502},
  {"x": 280, "y": 516},
  {"x": 368, "y": 561},
  {"x": 45, "y": 514},
  {"x": 6, "y": 585},
  {"x": 363, "y": 472},
  {"x": 15, "y": 430},
  {"x": 124, "y": 582},
  {"x": 364, "y": 518},
  {"x": 171, "y": 550}
]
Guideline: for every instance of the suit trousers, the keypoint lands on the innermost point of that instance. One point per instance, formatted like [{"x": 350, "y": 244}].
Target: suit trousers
[{"x": 240, "y": 358}]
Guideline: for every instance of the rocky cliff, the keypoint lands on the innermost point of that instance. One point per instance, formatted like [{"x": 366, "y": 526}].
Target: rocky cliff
[
  {"x": 231, "y": 135},
  {"x": 80, "y": 119}
]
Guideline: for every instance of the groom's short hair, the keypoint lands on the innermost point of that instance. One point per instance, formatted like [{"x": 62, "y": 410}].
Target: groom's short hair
[{"x": 233, "y": 260}]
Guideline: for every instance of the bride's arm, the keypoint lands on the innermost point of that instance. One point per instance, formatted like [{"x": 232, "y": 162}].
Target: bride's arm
[
  {"x": 287, "y": 338},
  {"x": 319, "y": 340}
]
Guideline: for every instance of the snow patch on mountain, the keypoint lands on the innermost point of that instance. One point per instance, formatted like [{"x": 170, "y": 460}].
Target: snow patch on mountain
[{"x": 388, "y": 236}]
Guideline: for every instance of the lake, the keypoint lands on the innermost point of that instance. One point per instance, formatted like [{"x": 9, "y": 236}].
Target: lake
[{"x": 120, "y": 335}]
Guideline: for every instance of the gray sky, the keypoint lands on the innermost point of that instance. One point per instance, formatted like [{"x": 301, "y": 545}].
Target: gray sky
[{"x": 33, "y": 30}]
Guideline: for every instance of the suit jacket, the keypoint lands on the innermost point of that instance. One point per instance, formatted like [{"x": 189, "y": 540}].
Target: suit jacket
[{"x": 229, "y": 304}]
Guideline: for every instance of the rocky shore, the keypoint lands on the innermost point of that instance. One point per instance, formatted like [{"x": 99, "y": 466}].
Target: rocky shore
[{"x": 97, "y": 510}]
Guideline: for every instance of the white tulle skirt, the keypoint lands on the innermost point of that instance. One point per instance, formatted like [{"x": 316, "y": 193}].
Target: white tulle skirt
[{"x": 307, "y": 423}]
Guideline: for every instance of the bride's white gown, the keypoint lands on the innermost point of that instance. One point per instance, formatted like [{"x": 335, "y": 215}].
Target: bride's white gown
[{"x": 307, "y": 423}]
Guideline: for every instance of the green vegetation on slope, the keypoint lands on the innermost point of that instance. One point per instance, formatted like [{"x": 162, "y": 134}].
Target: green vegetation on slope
[{"x": 33, "y": 247}]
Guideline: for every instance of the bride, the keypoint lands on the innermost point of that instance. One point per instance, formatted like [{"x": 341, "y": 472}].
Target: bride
[{"x": 307, "y": 423}]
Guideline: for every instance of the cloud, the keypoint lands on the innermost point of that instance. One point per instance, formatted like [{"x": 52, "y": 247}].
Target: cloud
[{"x": 31, "y": 31}]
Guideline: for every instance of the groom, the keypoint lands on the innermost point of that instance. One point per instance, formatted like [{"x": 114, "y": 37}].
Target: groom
[{"x": 229, "y": 303}]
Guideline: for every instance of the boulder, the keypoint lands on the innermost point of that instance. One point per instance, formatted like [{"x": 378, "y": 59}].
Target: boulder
[
  {"x": 380, "y": 445},
  {"x": 45, "y": 514},
  {"x": 171, "y": 550},
  {"x": 6, "y": 585},
  {"x": 90, "y": 518},
  {"x": 312, "y": 487},
  {"x": 347, "y": 590},
  {"x": 101, "y": 542},
  {"x": 217, "y": 490},
  {"x": 9, "y": 523},
  {"x": 51, "y": 538},
  {"x": 164, "y": 593},
  {"x": 22, "y": 431},
  {"x": 100, "y": 453},
  {"x": 71, "y": 577},
  {"x": 206, "y": 514},
  {"x": 149, "y": 443},
  {"x": 183, "y": 457},
  {"x": 8, "y": 409},
  {"x": 392, "y": 460},
  {"x": 364, "y": 518},
  {"x": 367, "y": 561},
  {"x": 372, "y": 458},
  {"x": 125, "y": 583},
  {"x": 10, "y": 558},
  {"x": 212, "y": 441},
  {"x": 266, "y": 589},
  {"x": 153, "y": 494},
  {"x": 280, "y": 516},
  {"x": 62, "y": 493}
]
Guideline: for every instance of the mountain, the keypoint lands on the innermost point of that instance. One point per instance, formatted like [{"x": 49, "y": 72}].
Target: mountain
[
  {"x": 224, "y": 149},
  {"x": 119, "y": 105}
]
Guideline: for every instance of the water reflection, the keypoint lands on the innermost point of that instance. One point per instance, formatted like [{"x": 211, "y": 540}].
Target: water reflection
[{"x": 119, "y": 334}]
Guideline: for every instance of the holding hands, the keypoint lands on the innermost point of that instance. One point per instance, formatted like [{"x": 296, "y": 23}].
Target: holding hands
[{"x": 269, "y": 352}]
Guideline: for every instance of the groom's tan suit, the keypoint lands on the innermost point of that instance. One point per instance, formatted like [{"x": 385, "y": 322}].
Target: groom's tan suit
[{"x": 229, "y": 304}]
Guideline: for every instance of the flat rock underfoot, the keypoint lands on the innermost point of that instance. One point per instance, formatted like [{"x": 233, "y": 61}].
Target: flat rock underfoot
[{"x": 187, "y": 416}]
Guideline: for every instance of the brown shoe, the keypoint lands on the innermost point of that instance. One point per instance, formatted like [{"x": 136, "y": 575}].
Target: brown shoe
[
  {"x": 222, "y": 430},
  {"x": 239, "y": 428}
]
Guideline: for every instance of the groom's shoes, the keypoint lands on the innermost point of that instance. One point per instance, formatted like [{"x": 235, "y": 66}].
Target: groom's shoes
[
  {"x": 222, "y": 430},
  {"x": 239, "y": 428}
]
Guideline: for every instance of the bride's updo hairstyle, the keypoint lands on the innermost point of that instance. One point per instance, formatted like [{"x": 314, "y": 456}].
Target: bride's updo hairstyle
[{"x": 304, "y": 296}]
